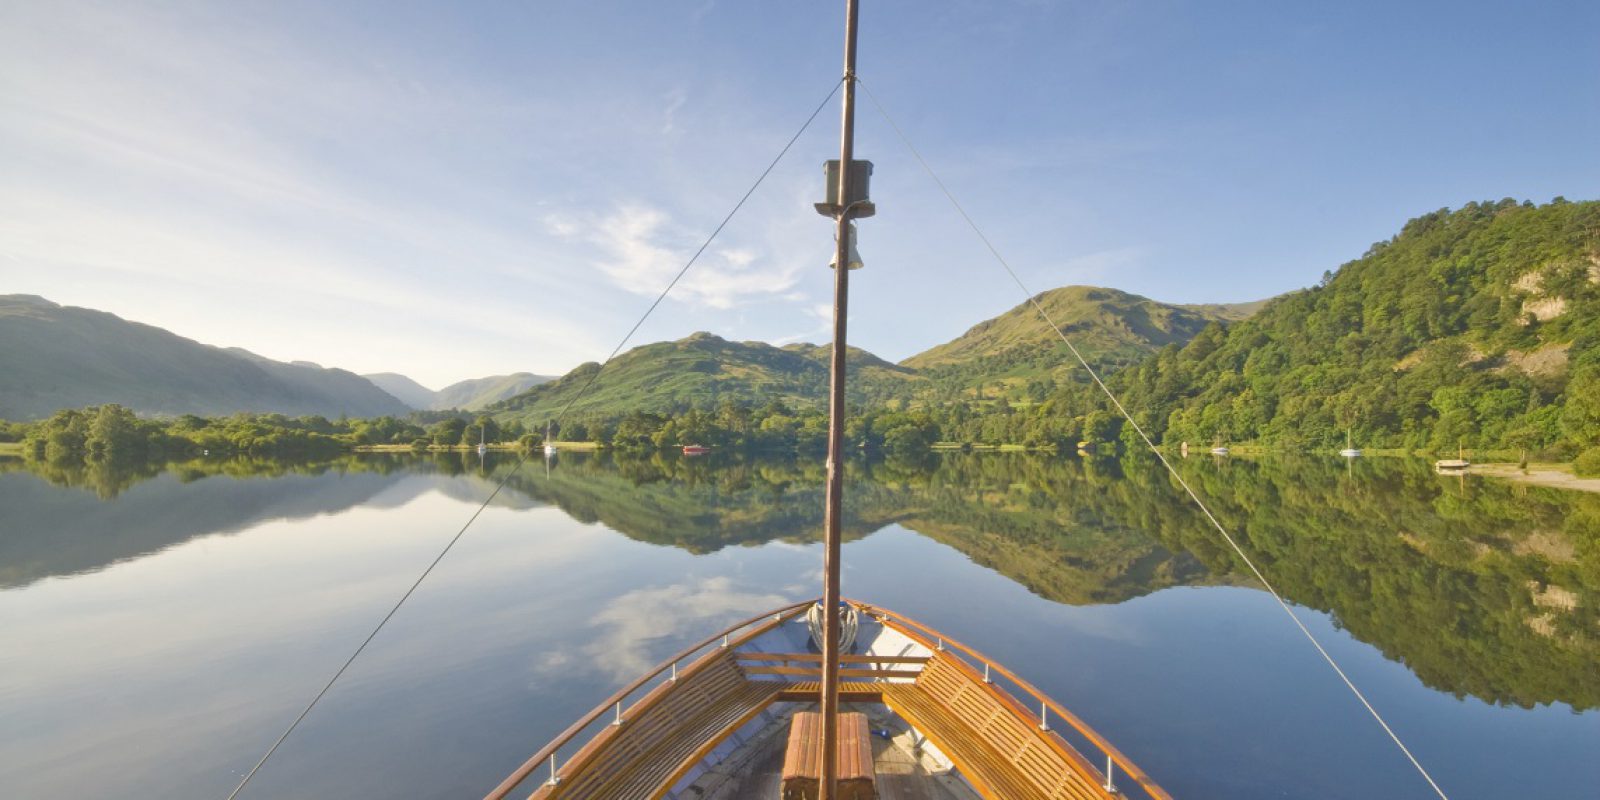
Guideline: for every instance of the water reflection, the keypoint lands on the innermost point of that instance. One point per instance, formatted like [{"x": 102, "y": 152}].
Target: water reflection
[{"x": 1481, "y": 588}]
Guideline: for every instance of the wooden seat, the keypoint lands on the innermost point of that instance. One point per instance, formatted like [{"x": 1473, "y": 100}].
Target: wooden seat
[
  {"x": 999, "y": 749},
  {"x": 664, "y": 734},
  {"x": 802, "y": 760}
]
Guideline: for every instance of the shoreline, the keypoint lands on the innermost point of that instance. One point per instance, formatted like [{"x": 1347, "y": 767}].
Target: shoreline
[
  {"x": 1558, "y": 476},
  {"x": 503, "y": 447}
]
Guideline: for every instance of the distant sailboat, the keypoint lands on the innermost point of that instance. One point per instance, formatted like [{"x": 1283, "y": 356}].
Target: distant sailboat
[
  {"x": 483, "y": 440},
  {"x": 1350, "y": 450},
  {"x": 549, "y": 444},
  {"x": 1453, "y": 465}
]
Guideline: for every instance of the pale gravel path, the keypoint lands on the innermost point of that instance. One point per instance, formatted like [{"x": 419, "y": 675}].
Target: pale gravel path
[{"x": 1539, "y": 475}]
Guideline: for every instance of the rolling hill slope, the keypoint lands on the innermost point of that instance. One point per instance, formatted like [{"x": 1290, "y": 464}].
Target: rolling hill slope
[
  {"x": 1111, "y": 328},
  {"x": 475, "y": 393},
  {"x": 407, "y": 391},
  {"x": 54, "y": 357},
  {"x": 468, "y": 395},
  {"x": 703, "y": 370}
]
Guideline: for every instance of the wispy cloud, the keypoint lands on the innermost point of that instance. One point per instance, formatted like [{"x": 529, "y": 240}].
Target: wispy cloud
[
  {"x": 824, "y": 315},
  {"x": 640, "y": 248}
]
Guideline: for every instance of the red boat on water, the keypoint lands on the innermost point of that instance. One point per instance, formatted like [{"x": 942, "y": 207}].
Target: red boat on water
[{"x": 695, "y": 449}]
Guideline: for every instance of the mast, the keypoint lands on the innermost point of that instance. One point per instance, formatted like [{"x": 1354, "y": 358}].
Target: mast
[{"x": 835, "y": 488}]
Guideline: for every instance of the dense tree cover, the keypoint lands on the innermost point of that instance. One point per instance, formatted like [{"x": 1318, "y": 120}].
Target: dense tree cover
[
  {"x": 776, "y": 427},
  {"x": 773, "y": 427},
  {"x": 1478, "y": 327},
  {"x": 114, "y": 433}
]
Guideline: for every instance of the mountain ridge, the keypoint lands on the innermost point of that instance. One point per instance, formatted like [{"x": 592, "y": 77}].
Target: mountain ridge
[{"x": 54, "y": 356}]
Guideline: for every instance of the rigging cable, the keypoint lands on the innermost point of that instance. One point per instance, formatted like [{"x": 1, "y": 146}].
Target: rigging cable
[
  {"x": 522, "y": 458},
  {"x": 1034, "y": 301}
]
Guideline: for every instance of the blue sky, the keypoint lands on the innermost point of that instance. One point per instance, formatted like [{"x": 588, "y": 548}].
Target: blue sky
[{"x": 454, "y": 190}]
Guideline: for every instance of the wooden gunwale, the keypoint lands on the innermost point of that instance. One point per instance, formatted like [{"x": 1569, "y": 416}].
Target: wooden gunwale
[
  {"x": 926, "y": 636},
  {"x": 538, "y": 759}
]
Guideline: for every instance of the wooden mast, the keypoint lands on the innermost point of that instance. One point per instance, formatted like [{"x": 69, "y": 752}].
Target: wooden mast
[{"x": 835, "y": 490}]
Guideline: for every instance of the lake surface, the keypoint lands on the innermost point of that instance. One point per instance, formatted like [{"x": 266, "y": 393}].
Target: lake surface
[{"x": 163, "y": 625}]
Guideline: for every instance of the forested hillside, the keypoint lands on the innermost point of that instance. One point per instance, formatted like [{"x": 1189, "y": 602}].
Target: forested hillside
[
  {"x": 1017, "y": 353},
  {"x": 1478, "y": 327},
  {"x": 704, "y": 371}
]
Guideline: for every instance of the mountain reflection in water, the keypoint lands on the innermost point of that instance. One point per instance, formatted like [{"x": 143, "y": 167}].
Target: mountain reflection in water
[{"x": 1481, "y": 588}]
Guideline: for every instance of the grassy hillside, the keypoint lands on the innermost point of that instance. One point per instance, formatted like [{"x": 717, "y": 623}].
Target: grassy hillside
[
  {"x": 54, "y": 357},
  {"x": 468, "y": 395},
  {"x": 1111, "y": 328},
  {"x": 702, "y": 371},
  {"x": 475, "y": 393},
  {"x": 1478, "y": 327}
]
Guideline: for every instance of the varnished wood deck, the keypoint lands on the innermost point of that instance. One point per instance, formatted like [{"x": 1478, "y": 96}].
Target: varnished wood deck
[
  {"x": 715, "y": 730},
  {"x": 1002, "y": 752},
  {"x": 901, "y": 774}
]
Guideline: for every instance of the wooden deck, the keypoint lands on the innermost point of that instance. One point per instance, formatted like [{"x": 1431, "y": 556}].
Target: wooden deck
[
  {"x": 956, "y": 735},
  {"x": 902, "y": 775},
  {"x": 997, "y": 746}
]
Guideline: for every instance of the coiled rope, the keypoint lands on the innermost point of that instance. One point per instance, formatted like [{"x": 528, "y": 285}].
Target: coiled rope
[
  {"x": 523, "y": 457},
  {"x": 1034, "y": 301}
]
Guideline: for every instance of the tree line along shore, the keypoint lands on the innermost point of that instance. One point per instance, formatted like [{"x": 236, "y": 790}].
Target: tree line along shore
[{"x": 112, "y": 432}]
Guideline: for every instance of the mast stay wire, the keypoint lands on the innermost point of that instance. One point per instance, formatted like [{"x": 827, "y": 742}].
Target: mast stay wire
[
  {"x": 1033, "y": 300},
  {"x": 523, "y": 457}
]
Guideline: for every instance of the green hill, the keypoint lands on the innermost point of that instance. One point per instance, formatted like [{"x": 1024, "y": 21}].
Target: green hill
[
  {"x": 702, "y": 371},
  {"x": 475, "y": 393},
  {"x": 54, "y": 357},
  {"x": 1477, "y": 327},
  {"x": 1112, "y": 329},
  {"x": 468, "y": 395}
]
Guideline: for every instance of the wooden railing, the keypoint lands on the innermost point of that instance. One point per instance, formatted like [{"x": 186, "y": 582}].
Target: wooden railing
[
  {"x": 986, "y": 669},
  {"x": 613, "y": 704}
]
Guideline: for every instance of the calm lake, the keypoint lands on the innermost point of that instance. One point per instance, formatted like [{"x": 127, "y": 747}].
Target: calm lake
[{"x": 162, "y": 627}]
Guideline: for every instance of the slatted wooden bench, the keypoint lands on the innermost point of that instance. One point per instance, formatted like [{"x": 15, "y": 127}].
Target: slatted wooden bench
[
  {"x": 1000, "y": 751},
  {"x": 664, "y": 734},
  {"x": 802, "y": 760}
]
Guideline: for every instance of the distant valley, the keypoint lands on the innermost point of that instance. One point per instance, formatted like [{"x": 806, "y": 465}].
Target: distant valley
[{"x": 468, "y": 395}]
